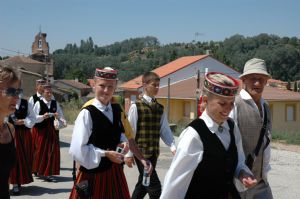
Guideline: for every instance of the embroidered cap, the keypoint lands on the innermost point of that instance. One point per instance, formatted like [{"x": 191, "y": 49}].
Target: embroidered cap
[
  {"x": 47, "y": 86},
  {"x": 106, "y": 73},
  {"x": 40, "y": 81},
  {"x": 221, "y": 84}
]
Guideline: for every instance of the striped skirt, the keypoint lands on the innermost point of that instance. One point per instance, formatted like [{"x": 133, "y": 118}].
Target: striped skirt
[
  {"x": 21, "y": 173},
  {"x": 109, "y": 184},
  {"x": 46, "y": 159}
]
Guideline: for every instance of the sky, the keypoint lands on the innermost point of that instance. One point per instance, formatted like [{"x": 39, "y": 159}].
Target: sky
[{"x": 110, "y": 21}]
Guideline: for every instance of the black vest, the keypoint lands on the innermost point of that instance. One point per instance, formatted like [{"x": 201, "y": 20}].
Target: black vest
[
  {"x": 213, "y": 177},
  {"x": 44, "y": 109},
  {"x": 35, "y": 98},
  {"x": 21, "y": 113},
  {"x": 105, "y": 135}
]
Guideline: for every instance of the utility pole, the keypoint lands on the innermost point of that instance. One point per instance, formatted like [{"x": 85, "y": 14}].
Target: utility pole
[{"x": 197, "y": 92}]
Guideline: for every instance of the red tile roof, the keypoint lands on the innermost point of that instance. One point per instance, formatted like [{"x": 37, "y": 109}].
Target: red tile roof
[
  {"x": 186, "y": 89},
  {"x": 23, "y": 59},
  {"x": 164, "y": 70},
  {"x": 73, "y": 83}
]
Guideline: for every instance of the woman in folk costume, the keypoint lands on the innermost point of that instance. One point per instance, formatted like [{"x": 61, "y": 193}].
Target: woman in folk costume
[
  {"x": 46, "y": 160},
  {"x": 210, "y": 154},
  {"x": 9, "y": 95},
  {"x": 97, "y": 133},
  {"x": 23, "y": 120}
]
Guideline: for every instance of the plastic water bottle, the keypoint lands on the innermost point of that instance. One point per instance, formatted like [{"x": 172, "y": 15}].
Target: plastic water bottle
[{"x": 146, "y": 178}]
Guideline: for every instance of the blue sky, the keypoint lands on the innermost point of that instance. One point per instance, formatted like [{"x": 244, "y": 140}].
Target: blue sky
[{"x": 109, "y": 21}]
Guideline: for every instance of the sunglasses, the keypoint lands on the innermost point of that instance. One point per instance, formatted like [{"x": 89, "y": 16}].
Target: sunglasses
[{"x": 12, "y": 92}]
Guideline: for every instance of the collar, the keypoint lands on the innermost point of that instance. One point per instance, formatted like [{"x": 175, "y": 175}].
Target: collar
[
  {"x": 148, "y": 98},
  {"x": 45, "y": 101},
  {"x": 246, "y": 96},
  {"x": 101, "y": 106},
  {"x": 38, "y": 94},
  {"x": 211, "y": 125}
]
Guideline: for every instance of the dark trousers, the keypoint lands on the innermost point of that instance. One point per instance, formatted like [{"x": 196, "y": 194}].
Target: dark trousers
[{"x": 154, "y": 189}]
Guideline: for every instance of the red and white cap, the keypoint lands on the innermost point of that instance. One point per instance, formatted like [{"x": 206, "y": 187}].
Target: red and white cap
[{"x": 106, "y": 73}]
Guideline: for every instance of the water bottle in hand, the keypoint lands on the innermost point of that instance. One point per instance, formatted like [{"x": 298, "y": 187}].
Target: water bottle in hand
[{"x": 146, "y": 178}]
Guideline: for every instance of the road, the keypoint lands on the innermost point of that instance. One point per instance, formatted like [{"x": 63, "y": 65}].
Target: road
[{"x": 284, "y": 177}]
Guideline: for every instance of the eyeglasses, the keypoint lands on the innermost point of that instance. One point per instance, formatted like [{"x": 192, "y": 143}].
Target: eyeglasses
[{"x": 12, "y": 92}]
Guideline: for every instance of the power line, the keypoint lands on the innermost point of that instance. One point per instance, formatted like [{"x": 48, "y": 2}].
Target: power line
[{"x": 18, "y": 52}]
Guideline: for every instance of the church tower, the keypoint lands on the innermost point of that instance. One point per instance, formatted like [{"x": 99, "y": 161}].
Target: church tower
[{"x": 40, "y": 48}]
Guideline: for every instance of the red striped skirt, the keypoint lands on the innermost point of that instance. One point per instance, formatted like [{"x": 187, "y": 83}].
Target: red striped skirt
[
  {"x": 109, "y": 184},
  {"x": 21, "y": 173},
  {"x": 46, "y": 160}
]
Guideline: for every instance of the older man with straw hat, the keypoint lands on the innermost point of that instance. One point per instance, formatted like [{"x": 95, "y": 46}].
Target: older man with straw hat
[{"x": 252, "y": 115}]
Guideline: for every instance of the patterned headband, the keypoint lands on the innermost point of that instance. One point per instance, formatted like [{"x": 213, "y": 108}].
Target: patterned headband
[
  {"x": 106, "y": 73},
  {"x": 220, "y": 88}
]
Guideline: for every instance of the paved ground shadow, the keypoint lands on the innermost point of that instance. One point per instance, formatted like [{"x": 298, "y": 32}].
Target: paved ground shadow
[{"x": 38, "y": 191}]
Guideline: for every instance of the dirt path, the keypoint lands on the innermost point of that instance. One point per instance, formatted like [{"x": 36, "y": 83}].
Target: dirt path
[{"x": 283, "y": 146}]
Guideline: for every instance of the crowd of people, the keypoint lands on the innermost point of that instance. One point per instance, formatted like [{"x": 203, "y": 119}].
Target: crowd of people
[
  {"x": 29, "y": 135},
  {"x": 222, "y": 154}
]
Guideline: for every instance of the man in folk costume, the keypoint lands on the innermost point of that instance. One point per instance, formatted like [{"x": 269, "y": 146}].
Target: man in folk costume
[
  {"x": 209, "y": 153},
  {"x": 149, "y": 123},
  {"x": 98, "y": 131},
  {"x": 252, "y": 115},
  {"x": 23, "y": 120},
  {"x": 47, "y": 153}
]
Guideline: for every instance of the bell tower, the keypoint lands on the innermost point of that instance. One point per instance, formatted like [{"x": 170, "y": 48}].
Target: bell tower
[{"x": 40, "y": 48}]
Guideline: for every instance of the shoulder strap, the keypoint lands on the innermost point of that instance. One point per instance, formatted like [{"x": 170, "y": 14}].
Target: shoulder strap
[{"x": 262, "y": 132}]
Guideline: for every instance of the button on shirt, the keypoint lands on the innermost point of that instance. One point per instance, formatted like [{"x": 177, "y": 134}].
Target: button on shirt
[
  {"x": 190, "y": 153},
  {"x": 88, "y": 156}
]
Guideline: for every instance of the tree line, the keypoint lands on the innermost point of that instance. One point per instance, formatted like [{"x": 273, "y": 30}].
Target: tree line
[{"x": 133, "y": 57}]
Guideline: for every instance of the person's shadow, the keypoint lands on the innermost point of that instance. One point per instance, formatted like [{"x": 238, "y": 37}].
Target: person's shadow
[{"x": 38, "y": 191}]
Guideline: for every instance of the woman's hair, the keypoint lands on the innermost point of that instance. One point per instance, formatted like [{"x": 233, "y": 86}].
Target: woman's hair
[
  {"x": 8, "y": 75},
  {"x": 149, "y": 77}
]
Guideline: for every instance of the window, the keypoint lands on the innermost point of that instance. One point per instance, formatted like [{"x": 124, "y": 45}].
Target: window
[
  {"x": 290, "y": 112},
  {"x": 40, "y": 44},
  {"x": 186, "y": 109}
]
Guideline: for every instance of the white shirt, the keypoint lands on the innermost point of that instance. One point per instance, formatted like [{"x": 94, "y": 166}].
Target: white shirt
[
  {"x": 31, "y": 100},
  {"x": 85, "y": 154},
  {"x": 190, "y": 153},
  {"x": 165, "y": 131},
  {"x": 30, "y": 119},
  {"x": 37, "y": 108},
  {"x": 267, "y": 152}
]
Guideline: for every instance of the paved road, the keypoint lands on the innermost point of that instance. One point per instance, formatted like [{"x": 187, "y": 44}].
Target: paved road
[{"x": 284, "y": 177}]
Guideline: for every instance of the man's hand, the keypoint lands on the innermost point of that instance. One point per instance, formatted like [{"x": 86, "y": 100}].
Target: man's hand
[
  {"x": 129, "y": 161},
  {"x": 147, "y": 165},
  {"x": 247, "y": 179}
]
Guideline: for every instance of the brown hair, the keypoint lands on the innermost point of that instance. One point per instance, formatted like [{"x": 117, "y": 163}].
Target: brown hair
[
  {"x": 8, "y": 75},
  {"x": 149, "y": 77}
]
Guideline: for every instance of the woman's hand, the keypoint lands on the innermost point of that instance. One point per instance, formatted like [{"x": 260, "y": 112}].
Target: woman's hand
[{"x": 115, "y": 156}]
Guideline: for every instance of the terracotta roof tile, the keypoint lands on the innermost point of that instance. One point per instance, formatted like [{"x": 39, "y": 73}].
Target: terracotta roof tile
[
  {"x": 73, "y": 83},
  {"x": 186, "y": 89},
  {"x": 164, "y": 70}
]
